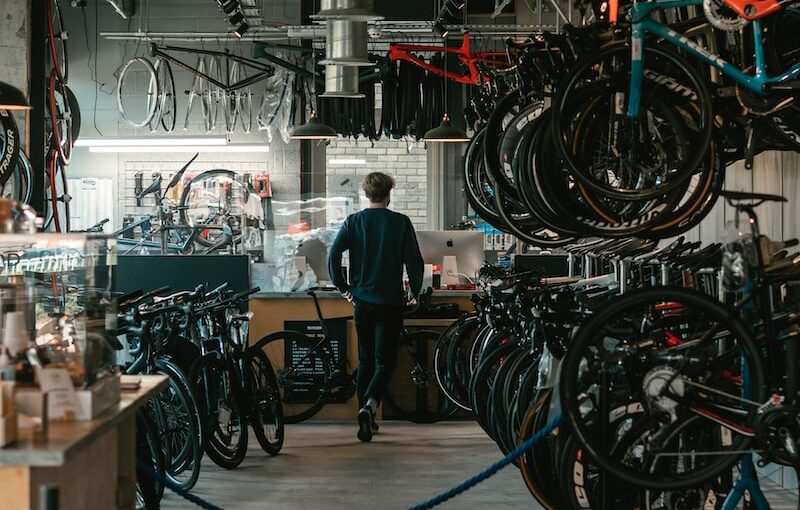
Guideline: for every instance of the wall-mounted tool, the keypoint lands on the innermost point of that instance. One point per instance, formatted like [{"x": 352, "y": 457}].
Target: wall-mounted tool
[{"x": 138, "y": 187}]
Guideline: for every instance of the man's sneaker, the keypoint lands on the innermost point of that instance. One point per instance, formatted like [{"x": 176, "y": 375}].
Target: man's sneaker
[{"x": 365, "y": 422}]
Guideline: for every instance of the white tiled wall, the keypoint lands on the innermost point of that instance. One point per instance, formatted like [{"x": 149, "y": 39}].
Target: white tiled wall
[{"x": 405, "y": 161}]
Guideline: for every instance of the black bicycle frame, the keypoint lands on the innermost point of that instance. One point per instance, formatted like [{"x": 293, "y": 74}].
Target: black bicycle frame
[{"x": 264, "y": 71}]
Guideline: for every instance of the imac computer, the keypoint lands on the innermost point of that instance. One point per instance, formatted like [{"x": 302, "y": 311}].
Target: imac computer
[{"x": 465, "y": 245}]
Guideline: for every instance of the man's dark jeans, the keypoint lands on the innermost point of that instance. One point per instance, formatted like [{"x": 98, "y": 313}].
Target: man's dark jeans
[{"x": 378, "y": 328}]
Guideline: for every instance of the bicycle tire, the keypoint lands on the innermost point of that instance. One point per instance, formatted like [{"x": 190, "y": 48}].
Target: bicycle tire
[
  {"x": 58, "y": 194},
  {"x": 564, "y": 141},
  {"x": 186, "y": 196},
  {"x": 149, "y": 491},
  {"x": 18, "y": 186},
  {"x": 57, "y": 39},
  {"x": 184, "y": 452},
  {"x": 60, "y": 118},
  {"x": 267, "y": 410},
  {"x": 529, "y": 461},
  {"x": 11, "y": 145},
  {"x": 152, "y": 91},
  {"x": 454, "y": 335},
  {"x": 428, "y": 404},
  {"x": 318, "y": 395},
  {"x": 696, "y": 302},
  {"x": 212, "y": 379}
]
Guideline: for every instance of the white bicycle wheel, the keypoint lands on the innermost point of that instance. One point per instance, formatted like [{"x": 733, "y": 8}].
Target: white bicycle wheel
[
  {"x": 137, "y": 92},
  {"x": 197, "y": 91}
]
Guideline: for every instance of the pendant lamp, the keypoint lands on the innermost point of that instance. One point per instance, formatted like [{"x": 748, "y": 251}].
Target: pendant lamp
[
  {"x": 11, "y": 98},
  {"x": 444, "y": 132},
  {"x": 314, "y": 129}
]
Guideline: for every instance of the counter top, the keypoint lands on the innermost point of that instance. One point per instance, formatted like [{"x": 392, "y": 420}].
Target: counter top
[
  {"x": 337, "y": 295},
  {"x": 67, "y": 439}
]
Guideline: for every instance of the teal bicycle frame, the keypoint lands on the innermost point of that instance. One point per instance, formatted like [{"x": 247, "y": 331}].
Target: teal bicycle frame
[{"x": 643, "y": 23}]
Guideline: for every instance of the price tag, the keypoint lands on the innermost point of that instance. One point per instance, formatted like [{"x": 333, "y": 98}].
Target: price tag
[{"x": 61, "y": 397}]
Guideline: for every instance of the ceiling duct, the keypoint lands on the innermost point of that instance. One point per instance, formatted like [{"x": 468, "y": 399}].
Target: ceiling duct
[
  {"x": 353, "y": 10},
  {"x": 341, "y": 81},
  {"x": 346, "y": 43}
]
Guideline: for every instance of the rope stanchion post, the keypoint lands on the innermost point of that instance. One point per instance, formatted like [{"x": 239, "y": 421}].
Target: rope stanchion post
[{"x": 493, "y": 469}]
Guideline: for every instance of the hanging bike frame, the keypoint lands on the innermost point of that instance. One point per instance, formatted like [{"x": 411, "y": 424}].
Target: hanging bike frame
[{"x": 264, "y": 71}]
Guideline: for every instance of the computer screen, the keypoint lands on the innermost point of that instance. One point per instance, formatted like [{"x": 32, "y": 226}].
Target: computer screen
[{"x": 465, "y": 245}]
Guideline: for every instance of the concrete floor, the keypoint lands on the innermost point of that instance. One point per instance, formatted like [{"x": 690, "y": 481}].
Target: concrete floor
[{"x": 324, "y": 466}]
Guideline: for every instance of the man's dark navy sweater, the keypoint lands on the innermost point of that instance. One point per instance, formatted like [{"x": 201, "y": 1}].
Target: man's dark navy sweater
[{"x": 380, "y": 241}]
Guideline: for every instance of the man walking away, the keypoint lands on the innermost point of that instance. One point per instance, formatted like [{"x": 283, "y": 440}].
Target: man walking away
[{"x": 380, "y": 242}]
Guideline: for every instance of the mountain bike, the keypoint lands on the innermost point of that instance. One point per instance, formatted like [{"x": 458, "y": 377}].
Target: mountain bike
[{"x": 701, "y": 371}]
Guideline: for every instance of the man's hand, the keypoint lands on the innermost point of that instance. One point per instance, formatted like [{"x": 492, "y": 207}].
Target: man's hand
[
  {"x": 411, "y": 300},
  {"x": 348, "y": 296}
]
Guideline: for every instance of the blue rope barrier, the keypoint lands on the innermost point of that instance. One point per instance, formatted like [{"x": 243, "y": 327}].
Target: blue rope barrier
[
  {"x": 493, "y": 469},
  {"x": 174, "y": 488}
]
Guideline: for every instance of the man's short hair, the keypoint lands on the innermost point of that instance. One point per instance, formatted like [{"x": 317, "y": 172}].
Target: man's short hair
[{"x": 377, "y": 186}]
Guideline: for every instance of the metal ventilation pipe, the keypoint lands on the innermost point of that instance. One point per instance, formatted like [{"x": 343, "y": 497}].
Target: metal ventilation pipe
[
  {"x": 346, "y": 43},
  {"x": 341, "y": 81},
  {"x": 353, "y": 10}
]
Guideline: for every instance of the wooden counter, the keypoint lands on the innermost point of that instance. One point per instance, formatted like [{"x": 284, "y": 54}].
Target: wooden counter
[
  {"x": 93, "y": 463},
  {"x": 270, "y": 312}
]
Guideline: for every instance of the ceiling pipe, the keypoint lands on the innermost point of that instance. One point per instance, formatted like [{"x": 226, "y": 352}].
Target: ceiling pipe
[
  {"x": 346, "y": 44},
  {"x": 342, "y": 81},
  {"x": 353, "y": 10}
]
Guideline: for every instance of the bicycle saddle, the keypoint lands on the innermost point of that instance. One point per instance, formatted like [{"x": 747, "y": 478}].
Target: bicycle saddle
[
  {"x": 177, "y": 177},
  {"x": 176, "y": 296},
  {"x": 743, "y": 195},
  {"x": 154, "y": 186}
]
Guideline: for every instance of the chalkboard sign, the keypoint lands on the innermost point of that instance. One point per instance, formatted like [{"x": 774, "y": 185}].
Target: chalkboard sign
[{"x": 296, "y": 350}]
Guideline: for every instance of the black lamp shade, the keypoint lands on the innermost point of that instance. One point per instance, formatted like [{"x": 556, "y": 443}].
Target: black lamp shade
[
  {"x": 445, "y": 133},
  {"x": 314, "y": 129},
  {"x": 11, "y": 98}
]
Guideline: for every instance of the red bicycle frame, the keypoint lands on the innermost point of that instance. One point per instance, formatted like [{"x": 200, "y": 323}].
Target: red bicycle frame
[{"x": 465, "y": 56}]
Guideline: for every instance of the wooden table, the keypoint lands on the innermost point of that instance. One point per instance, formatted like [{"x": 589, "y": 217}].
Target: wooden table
[{"x": 93, "y": 463}]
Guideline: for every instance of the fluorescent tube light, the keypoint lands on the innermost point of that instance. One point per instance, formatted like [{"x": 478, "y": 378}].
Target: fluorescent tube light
[
  {"x": 181, "y": 148},
  {"x": 347, "y": 161},
  {"x": 150, "y": 142}
]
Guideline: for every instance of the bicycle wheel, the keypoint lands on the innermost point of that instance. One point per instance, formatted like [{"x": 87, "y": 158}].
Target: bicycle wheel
[
  {"x": 535, "y": 465},
  {"x": 58, "y": 198},
  {"x": 10, "y": 145},
  {"x": 424, "y": 402},
  {"x": 225, "y": 420},
  {"x": 450, "y": 360},
  {"x": 304, "y": 386},
  {"x": 60, "y": 118},
  {"x": 211, "y": 197},
  {"x": 632, "y": 158},
  {"x": 177, "y": 426},
  {"x": 197, "y": 92},
  {"x": 215, "y": 97},
  {"x": 266, "y": 413},
  {"x": 57, "y": 38},
  {"x": 18, "y": 186},
  {"x": 148, "y": 452},
  {"x": 168, "y": 100},
  {"x": 137, "y": 92},
  {"x": 684, "y": 355}
]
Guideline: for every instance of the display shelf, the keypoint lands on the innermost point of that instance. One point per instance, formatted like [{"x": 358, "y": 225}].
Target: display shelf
[{"x": 65, "y": 440}]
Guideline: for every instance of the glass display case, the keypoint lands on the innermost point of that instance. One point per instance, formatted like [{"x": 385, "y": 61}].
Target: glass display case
[{"x": 57, "y": 306}]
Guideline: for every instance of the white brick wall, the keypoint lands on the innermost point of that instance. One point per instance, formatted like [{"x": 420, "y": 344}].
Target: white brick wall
[{"x": 405, "y": 161}]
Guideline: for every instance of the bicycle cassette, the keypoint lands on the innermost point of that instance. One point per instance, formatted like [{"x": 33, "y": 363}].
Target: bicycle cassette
[{"x": 722, "y": 16}]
